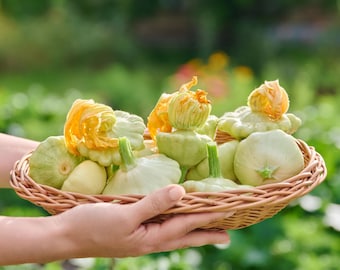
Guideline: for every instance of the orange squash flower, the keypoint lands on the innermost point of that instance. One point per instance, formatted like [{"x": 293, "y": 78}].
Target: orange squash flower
[
  {"x": 89, "y": 123},
  {"x": 189, "y": 109},
  {"x": 158, "y": 119},
  {"x": 270, "y": 98}
]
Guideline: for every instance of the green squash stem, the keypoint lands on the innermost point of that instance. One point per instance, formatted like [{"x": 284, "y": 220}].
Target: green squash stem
[
  {"x": 128, "y": 159},
  {"x": 184, "y": 171},
  {"x": 267, "y": 172},
  {"x": 214, "y": 164}
]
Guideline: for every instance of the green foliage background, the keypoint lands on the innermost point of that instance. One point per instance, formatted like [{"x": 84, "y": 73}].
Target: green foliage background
[{"x": 52, "y": 52}]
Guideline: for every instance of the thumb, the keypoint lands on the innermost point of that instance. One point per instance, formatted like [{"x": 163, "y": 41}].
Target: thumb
[{"x": 157, "y": 202}]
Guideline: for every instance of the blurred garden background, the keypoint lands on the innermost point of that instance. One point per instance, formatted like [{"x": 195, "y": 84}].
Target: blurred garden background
[{"x": 125, "y": 53}]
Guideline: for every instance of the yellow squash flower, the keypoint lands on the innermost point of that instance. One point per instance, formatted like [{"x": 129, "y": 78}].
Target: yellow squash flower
[
  {"x": 185, "y": 105},
  {"x": 158, "y": 120},
  {"x": 270, "y": 98},
  {"x": 189, "y": 109},
  {"x": 89, "y": 123}
]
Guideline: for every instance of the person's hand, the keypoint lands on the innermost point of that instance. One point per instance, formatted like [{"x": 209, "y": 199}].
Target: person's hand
[{"x": 113, "y": 230}]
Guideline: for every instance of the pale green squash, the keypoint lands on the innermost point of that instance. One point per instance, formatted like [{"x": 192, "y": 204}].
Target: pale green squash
[{"x": 267, "y": 157}]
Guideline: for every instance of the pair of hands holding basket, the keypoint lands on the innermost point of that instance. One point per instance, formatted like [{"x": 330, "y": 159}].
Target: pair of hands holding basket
[{"x": 98, "y": 230}]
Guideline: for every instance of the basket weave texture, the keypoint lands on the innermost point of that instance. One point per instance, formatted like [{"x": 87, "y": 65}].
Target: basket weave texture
[{"x": 249, "y": 206}]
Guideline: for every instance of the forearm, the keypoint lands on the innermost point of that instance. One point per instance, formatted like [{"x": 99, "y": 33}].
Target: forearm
[
  {"x": 32, "y": 240},
  {"x": 11, "y": 149}
]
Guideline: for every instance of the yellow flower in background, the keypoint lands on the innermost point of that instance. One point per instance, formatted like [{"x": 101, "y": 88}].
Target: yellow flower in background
[
  {"x": 243, "y": 71},
  {"x": 216, "y": 75},
  {"x": 218, "y": 61},
  {"x": 227, "y": 84},
  {"x": 270, "y": 98},
  {"x": 89, "y": 123}
]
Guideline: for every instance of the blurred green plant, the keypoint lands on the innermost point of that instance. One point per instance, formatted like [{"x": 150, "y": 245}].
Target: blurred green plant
[
  {"x": 35, "y": 113},
  {"x": 59, "y": 38}
]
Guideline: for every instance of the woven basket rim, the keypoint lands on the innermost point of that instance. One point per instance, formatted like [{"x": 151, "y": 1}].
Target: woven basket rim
[{"x": 269, "y": 198}]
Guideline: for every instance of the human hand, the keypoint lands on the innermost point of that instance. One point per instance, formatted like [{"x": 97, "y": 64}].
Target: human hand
[{"x": 114, "y": 230}]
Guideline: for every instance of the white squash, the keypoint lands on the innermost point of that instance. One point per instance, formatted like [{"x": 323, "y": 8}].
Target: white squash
[
  {"x": 267, "y": 157},
  {"x": 87, "y": 178},
  {"x": 141, "y": 175},
  {"x": 51, "y": 163}
]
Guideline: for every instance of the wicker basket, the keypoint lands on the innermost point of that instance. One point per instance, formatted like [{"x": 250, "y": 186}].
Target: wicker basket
[{"x": 250, "y": 206}]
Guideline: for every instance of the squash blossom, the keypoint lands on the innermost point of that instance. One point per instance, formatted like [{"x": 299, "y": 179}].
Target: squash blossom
[
  {"x": 183, "y": 109},
  {"x": 92, "y": 131},
  {"x": 267, "y": 110},
  {"x": 270, "y": 98},
  {"x": 158, "y": 120},
  {"x": 89, "y": 123},
  {"x": 173, "y": 124},
  {"x": 189, "y": 109}
]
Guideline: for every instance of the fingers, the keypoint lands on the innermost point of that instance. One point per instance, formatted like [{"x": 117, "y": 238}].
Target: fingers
[
  {"x": 183, "y": 224},
  {"x": 198, "y": 238},
  {"x": 167, "y": 241},
  {"x": 182, "y": 231},
  {"x": 157, "y": 202}
]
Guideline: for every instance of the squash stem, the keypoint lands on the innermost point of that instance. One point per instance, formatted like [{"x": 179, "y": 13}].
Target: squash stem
[
  {"x": 184, "y": 171},
  {"x": 126, "y": 154},
  {"x": 214, "y": 164},
  {"x": 267, "y": 172}
]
